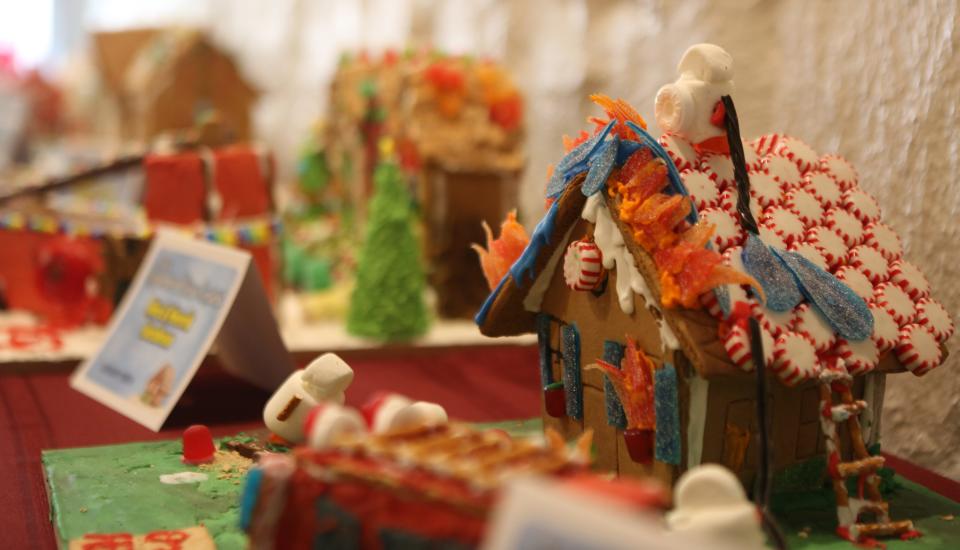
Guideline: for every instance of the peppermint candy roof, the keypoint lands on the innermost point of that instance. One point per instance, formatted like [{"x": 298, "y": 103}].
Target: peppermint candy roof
[{"x": 815, "y": 205}]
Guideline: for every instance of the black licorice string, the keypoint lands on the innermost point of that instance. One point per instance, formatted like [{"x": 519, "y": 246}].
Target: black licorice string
[{"x": 761, "y": 491}]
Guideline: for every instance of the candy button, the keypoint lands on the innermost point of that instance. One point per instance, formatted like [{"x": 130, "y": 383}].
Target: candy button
[
  {"x": 846, "y": 225},
  {"x": 932, "y": 315},
  {"x": 859, "y": 357},
  {"x": 861, "y": 205},
  {"x": 784, "y": 171},
  {"x": 719, "y": 166},
  {"x": 909, "y": 277},
  {"x": 804, "y": 204},
  {"x": 824, "y": 187},
  {"x": 785, "y": 223},
  {"x": 840, "y": 169},
  {"x": 795, "y": 358},
  {"x": 830, "y": 243},
  {"x": 884, "y": 239},
  {"x": 811, "y": 324},
  {"x": 857, "y": 281},
  {"x": 727, "y": 230},
  {"x": 680, "y": 151},
  {"x": 886, "y": 331},
  {"x": 918, "y": 349},
  {"x": 870, "y": 262},
  {"x": 799, "y": 152},
  {"x": 811, "y": 252},
  {"x": 702, "y": 188},
  {"x": 894, "y": 299}
]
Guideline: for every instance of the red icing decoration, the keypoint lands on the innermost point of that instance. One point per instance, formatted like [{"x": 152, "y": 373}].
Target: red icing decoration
[{"x": 198, "y": 446}]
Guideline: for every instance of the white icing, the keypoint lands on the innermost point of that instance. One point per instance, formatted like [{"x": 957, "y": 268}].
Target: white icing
[
  {"x": 668, "y": 340},
  {"x": 534, "y": 298},
  {"x": 616, "y": 255},
  {"x": 824, "y": 187},
  {"x": 697, "y": 423}
]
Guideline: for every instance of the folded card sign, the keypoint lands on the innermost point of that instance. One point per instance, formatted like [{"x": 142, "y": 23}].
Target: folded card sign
[{"x": 187, "y": 296}]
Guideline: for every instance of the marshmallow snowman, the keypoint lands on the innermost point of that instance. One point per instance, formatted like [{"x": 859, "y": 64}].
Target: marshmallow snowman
[
  {"x": 710, "y": 500},
  {"x": 322, "y": 381},
  {"x": 387, "y": 411},
  {"x": 686, "y": 107},
  {"x": 328, "y": 421}
]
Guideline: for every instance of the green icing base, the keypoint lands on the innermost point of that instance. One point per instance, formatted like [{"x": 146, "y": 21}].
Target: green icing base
[{"x": 117, "y": 488}]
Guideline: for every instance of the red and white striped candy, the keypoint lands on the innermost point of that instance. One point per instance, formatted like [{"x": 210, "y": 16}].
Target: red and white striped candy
[
  {"x": 811, "y": 324},
  {"x": 752, "y": 160},
  {"x": 765, "y": 188},
  {"x": 785, "y": 223},
  {"x": 702, "y": 188},
  {"x": 894, "y": 299},
  {"x": 830, "y": 243},
  {"x": 583, "y": 265},
  {"x": 824, "y": 187},
  {"x": 772, "y": 238},
  {"x": 777, "y": 322},
  {"x": 733, "y": 257},
  {"x": 799, "y": 152},
  {"x": 860, "y": 357},
  {"x": 918, "y": 349},
  {"x": 784, "y": 171},
  {"x": 845, "y": 224},
  {"x": 883, "y": 238},
  {"x": 709, "y": 302},
  {"x": 795, "y": 358},
  {"x": 680, "y": 151},
  {"x": 727, "y": 230},
  {"x": 805, "y": 204},
  {"x": 840, "y": 169},
  {"x": 766, "y": 144},
  {"x": 728, "y": 202},
  {"x": 909, "y": 277},
  {"x": 932, "y": 315},
  {"x": 861, "y": 204},
  {"x": 886, "y": 331},
  {"x": 857, "y": 281},
  {"x": 719, "y": 166},
  {"x": 737, "y": 344},
  {"x": 870, "y": 262},
  {"x": 810, "y": 252}
]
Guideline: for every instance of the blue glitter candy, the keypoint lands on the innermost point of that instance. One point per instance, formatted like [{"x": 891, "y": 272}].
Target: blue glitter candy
[
  {"x": 627, "y": 148},
  {"x": 572, "y": 384},
  {"x": 846, "y": 312},
  {"x": 581, "y": 152},
  {"x": 546, "y": 354},
  {"x": 616, "y": 417},
  {"x": 778, "y": 283},
  {"x": 600, "y": 167},
  {"x": 667, "y": 408}
]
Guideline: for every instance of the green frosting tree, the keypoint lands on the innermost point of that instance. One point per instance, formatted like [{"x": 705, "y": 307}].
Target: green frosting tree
[{"x": 387, "y": 302}]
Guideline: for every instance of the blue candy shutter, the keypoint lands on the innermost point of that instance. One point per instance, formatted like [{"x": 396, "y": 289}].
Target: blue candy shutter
[
  {"x": 667, "y": 408},
  {"x": 546, "y": 354},
  {"x": 613, "y": 354},
  {"x": 572, "y": 385}
]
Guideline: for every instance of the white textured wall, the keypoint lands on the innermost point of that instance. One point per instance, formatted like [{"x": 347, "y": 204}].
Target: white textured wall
[{"x": 877, "y": 81}]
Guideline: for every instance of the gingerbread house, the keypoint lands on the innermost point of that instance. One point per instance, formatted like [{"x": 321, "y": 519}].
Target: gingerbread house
[
  {"x": 168, "y": 79},
  {"x": 636, "y": 264},
  {"x": 456, "y": 125}
]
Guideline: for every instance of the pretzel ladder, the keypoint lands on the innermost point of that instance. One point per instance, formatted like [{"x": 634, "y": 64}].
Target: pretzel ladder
[{"x": 836, "y": 380}]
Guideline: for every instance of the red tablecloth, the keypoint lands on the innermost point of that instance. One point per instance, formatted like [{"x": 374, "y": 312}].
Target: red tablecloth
[{"x": 39, "y": 411}]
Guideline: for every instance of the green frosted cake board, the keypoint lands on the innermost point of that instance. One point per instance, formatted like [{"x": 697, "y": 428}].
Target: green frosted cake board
[{"x": 116, "y": 488}]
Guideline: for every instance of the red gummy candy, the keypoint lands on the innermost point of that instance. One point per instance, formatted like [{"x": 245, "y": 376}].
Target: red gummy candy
[{"x": 198, "y": 447}]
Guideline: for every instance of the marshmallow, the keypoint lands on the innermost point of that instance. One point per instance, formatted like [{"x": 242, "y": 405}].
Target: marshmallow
[
  {"x": 380, "y": 409},
  {"x": 326, "y": 422},
  {"x": 417, "y": 415},
  {"x": 685, "y": 107},
  {"x": 324, "y": 380},
  {"x": 710, "y": 500}
]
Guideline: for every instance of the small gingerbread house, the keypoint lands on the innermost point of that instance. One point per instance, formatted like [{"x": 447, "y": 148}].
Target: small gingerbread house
[
  {"x": 457, "y": 128},
  {"x": 636, "y": 264},
  {"x": 168, "y": 79}
]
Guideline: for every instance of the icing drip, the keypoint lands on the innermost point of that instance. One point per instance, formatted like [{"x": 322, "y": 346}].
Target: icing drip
[
  {"x": 668, "y": 340},
  {"x": 538, "y": 289},
  {"x": 615, "y": 254}
]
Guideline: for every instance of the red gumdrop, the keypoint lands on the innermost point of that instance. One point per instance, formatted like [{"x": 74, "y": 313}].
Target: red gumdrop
[{"x": 198, "y": 447}]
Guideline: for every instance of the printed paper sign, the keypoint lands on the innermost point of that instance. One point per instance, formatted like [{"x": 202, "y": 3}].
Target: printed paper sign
[{"x": 187, "y": 295}]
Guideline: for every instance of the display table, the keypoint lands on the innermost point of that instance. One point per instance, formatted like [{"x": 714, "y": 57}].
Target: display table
[{"x": 38, "y": 410}]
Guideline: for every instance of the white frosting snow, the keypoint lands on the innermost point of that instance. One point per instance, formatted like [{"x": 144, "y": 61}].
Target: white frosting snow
[{"x": 616, "y": 255}]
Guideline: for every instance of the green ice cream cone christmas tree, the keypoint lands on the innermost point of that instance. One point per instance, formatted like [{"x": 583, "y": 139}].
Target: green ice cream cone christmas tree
[{"x": 387, "y": 302}]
